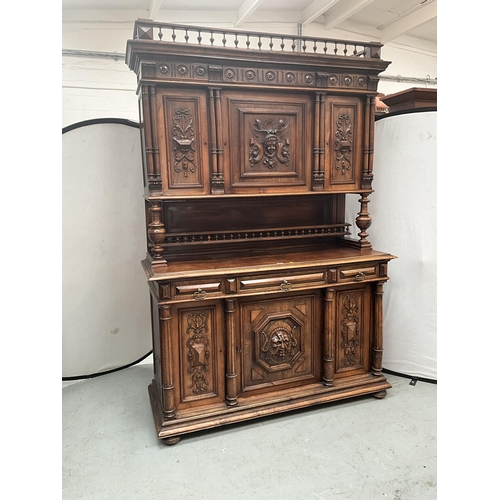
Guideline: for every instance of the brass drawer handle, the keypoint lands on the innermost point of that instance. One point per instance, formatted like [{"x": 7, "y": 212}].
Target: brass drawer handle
[
  {"x": 199, "y": 294},
  {"x": 286, "y": 286},
  {"x": 360, "y": 276}
]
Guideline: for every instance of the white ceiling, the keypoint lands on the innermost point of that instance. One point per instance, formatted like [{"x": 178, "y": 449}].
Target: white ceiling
[{"x": 379, "y": 20}]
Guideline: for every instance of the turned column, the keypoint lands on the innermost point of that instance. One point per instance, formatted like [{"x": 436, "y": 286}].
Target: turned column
[
  {"x": 217, "y": 175},
  {"x": 319, "y": 143},
  {"x": 231, "y": 391},
  {"x": 328, "y": 347},
  {"x": 368, "y": 140},
  {"x": 151, "y": 150},
  {"x": 167, "y": 362},
  {"x": 378, "y": 330}
]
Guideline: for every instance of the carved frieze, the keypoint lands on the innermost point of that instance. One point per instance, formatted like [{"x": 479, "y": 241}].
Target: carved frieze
[{"x": 234, "y": 74}]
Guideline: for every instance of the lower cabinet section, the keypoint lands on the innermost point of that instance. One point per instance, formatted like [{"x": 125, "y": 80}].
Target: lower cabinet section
[{"x": 227, "y": 360}]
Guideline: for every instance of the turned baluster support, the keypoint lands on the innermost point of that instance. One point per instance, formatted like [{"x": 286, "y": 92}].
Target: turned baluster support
[
  {"x": 364, "y": 221},
  {"x": 156, "y": 234}
]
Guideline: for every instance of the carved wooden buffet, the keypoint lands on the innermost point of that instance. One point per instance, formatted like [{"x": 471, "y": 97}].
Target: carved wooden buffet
[{"x": 261, "y": 302}]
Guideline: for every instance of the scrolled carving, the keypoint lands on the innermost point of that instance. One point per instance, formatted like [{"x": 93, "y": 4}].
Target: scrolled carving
[
  {"x": 198, "y": 351},
  {"x": 183, "y": 138},
  {"x": 268, "y": 146},
  {"x": 343, "y": 143},
  {"x": 350, "y": 329}
]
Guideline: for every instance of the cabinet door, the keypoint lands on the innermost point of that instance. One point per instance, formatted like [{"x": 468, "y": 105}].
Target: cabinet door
[
  {"x": 267, "y": 141},
  {"x": 199, "y": 366},
  {"x": 352, "y": 326},
  {"x": 281, "y": 338},
  {"x": 344, "y": 143},
  {"x": 183, "y": 141}
]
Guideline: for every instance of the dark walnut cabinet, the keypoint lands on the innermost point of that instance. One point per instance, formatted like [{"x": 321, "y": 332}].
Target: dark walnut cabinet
[{"x": 262, "y": 300}]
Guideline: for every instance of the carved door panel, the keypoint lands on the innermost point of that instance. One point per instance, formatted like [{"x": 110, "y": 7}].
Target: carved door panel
[
  {"x": 183, "y": 141},
  {"x": 344, "y": 143},
  {"x": 198, "y": 340},
  {"x": 267, "y": 142},
  {"x": 280, "y": 342},
  {"x": 352, "y": 326}
]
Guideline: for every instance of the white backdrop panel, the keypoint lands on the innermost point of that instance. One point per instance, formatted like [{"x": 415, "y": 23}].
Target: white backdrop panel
[
  {"x": 404, "y": 212},
  {"x": 106, "y": 319}
]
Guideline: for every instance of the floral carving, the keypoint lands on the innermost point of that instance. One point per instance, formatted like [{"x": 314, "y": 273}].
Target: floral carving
[
  {"x": 350, "y": 330},
  {"x": 269, "y": 146},
  {"x": 183, "y": 138},
  {"x": 198, "y": 351},
  {"x": 343, "y": 143}
]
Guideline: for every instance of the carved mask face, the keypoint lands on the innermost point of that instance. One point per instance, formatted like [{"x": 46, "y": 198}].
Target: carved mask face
[
  {"x": 270, "y": 145},
  {"x": 280, "y": 344}
]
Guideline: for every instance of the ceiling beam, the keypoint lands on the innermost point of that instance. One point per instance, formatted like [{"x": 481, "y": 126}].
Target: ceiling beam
[
  {"x": 154, "y": 8},
  {"x": 246, "y": 10},
  {"x": 315, "y": 9},
  {"x": 407, "y": 23},
  {"x": 343, "y": 11}
]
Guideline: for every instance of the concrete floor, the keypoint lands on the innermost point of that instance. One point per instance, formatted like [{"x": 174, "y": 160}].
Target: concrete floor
[{"x": 362, "y": 449}]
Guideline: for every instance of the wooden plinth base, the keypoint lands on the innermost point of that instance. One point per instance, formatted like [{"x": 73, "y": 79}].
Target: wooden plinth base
[{"x": 171, "y": 430}]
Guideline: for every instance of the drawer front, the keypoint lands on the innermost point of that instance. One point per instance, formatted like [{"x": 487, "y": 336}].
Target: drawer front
[
  {"x": 358, "y": 273},
  {"x": 196, "y": 290},
  {"x": 281, "y": 283}
]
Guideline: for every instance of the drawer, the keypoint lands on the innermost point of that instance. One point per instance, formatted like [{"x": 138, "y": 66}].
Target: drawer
[
  {"x": 357, "y": 273},
  {"x": 197, "y": 290},
  {"x": 283, "y": 283}
]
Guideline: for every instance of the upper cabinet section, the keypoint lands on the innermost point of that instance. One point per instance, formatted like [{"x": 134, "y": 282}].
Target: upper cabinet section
[{"x": 232, "y": 112}]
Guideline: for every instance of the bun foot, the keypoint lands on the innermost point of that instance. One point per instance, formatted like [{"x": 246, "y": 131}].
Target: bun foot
[
  {"x": 380, "y": 394},
  {"x": 171, "y": 440}
]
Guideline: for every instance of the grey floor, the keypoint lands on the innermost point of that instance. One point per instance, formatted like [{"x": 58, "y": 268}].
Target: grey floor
[{"x": 362, "y": 449}]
